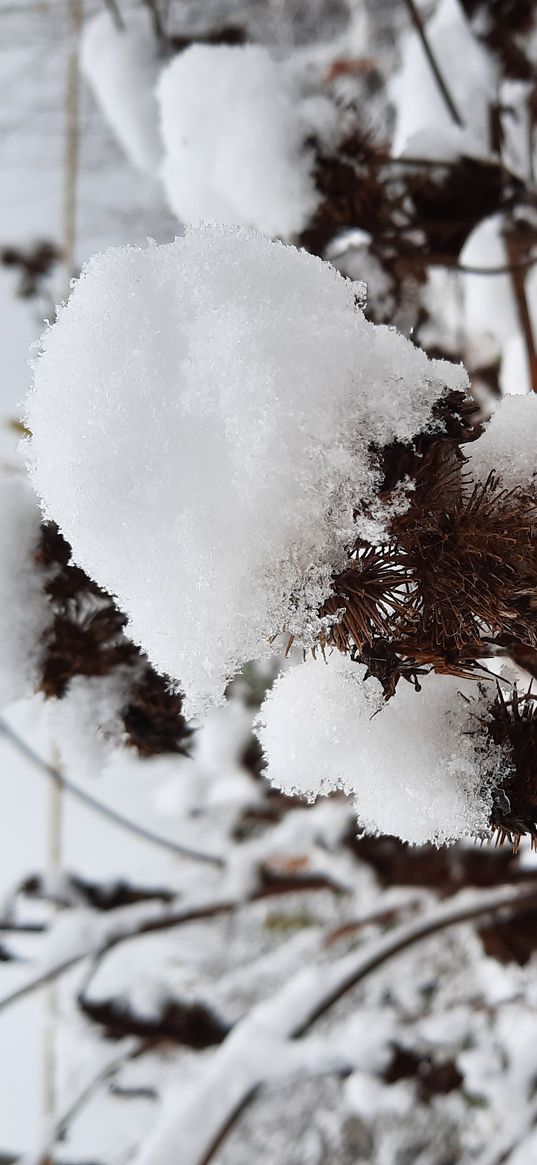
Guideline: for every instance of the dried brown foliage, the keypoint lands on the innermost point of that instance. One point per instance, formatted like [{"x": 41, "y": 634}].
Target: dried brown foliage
[{"x": 88, "y": 639}]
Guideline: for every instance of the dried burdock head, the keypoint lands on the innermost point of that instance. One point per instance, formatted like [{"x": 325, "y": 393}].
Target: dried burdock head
[
  {"x": 88, "y": 638},
  {"x": 366, "y": 595},
  {"x": 153, "y": 717},
  {"x": 417, "y": 212},
  {"x": 471, "y": 552},
  {"x": 454, "y": 422},
  {"x": 32, "y": 264},
  {"x": 512, "y": 725},
  {"x": 388, "y": 664},
  {"x": 456, "y": 581}
]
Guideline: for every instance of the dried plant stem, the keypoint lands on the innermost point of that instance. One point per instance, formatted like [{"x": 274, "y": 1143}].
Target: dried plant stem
[
  {"x": 518, "y": 283},
  {"x": 93, "y": 803},
  {"x": 435, "y": 68},
  {"x": 72, "y": 140},
  {"x": 115, "y": 12}
]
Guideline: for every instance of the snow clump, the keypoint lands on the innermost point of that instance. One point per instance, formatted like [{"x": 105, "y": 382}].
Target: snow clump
[
  {"x": 202, "y": 421},
  {"x": 234, "y": 128},
  {"x": 418, "y": 767},
  {"x": 25, "y": 616},
  {"x": 508, "y": 445},
  {"x": 122, "y": 67},
  {"x": 470, "y": 75}
]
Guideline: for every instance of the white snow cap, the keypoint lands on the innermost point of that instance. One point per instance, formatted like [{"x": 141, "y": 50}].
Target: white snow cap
[
  {"x": 122, "y": 67},
  {"x": 233, "y": 128},
  {"x": 508, "y": 445},
  {"x": 24, "y": 612},
  {"x": 202, "y": 417},
  {"x": 470, "y": 76},
  {"x": 411, "y": 768}
]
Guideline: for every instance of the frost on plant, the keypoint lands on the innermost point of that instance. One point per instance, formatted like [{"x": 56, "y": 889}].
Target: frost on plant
[{"x": 208, "y": 421}]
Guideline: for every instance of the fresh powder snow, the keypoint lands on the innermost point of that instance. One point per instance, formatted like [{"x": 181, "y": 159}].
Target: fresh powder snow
[
  {"x": 419, "y": 766},
  {"x": 202, "y": 419}
]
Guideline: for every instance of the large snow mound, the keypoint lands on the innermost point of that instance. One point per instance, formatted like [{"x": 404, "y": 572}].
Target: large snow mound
[
  {"x": 234, "y": 129},
  {"x": 418, "y": 767},
  {"x": 25, "y": 616},
  {"x": 202, "y": 417}
]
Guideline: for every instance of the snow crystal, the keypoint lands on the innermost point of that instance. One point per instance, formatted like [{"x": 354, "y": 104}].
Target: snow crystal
[
  {"x": 468, "y": 71},
  {"x": 233, "y": 129},
  {"x": 508, "y": 445},
  {"x": 122, "y": 67},
  {"x": 24, "y": 615},
  {"x": 202, "y": 417},
  {"x": 411, "y": 768}
]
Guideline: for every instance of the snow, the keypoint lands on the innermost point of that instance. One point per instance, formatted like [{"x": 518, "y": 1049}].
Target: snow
[
  {"x": 489, "y": 305},
  {"x": 86, "y": 722},
  {"x": 122, "y": 68},
  {"x": 514, "y": 372},
  {"x": 508, "y": 445},
  {"x": 24, "y": 615},
  {"x": 467, "y": 70},
  {"x": 234, "y": 130},
  {"x": 411, "y": 768},
  {"x": 259, "y": 1046},
  {"x": 231, "y": 390}
]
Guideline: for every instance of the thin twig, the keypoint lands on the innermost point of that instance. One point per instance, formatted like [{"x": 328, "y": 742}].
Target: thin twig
[
  {"x": 115, "y": 13},
  {"x": 72, "y": 141},
  {"x": 435, "y": 68},
  {"x": 98, "y": 806},
  {"x": 519, "y": 290},
  {"x": 157, "y": 21}
]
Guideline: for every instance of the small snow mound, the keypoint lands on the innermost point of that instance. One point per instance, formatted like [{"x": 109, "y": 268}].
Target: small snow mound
[
  {"x": 216, "y": 466},
  {"x": 25, "y": 616},
  {"x": 413, "y": 771},
  {"x": 234, "y": 131},
  {"x": 122, "y": 68}
]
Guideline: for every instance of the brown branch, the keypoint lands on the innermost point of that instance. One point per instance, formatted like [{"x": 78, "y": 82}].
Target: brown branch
[{"x": 518, "y": 283}]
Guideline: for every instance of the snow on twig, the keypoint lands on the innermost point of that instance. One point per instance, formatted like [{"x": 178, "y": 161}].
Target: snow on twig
[{"x": 258, "y": 1046}]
